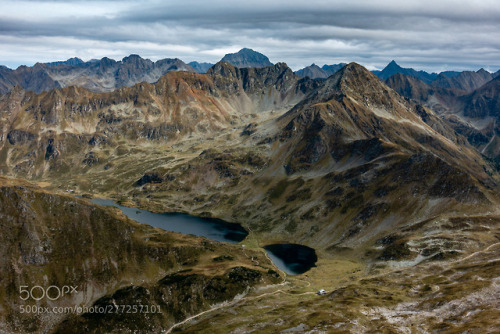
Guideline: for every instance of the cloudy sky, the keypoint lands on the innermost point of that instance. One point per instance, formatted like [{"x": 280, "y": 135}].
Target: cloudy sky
[{"x": 432, "y": 35}]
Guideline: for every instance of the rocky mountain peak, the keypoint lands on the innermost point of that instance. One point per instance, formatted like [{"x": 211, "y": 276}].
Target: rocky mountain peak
[
  {"x": 136, "y": 61},
  {"x": 312, "y": 71},
  {"x": 71, "y": 61},
  {"x": 314, "y": 66},
  {"x": 254, "y": 79},
  {"x": 105, "y": 61},
  {"x": 354, "y": 77},
  {"x": 224, "y": 69},
  {"x": 132, "y": 57},
  {"x": 393, "y": 68},
  {"x": 282, "y": 67},
  {"x": 352, "y": 81},
  {"x": 393, "y": 64},
  {"x": 38, "y": 66},
  {"x": 247, "y": 58}
]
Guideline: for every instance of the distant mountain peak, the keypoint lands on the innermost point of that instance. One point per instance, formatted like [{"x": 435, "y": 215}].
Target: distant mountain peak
[
  {"x": 393, "y": 68},
  {"x": 133, "y": 58},
  {"x": 74, "y": 60},
  {"x": 70, "y": 61},
  {"x": 247, "y": 58},
  {"x": 313, "y": 71},
  {"x": 466, "y": 80},
  {"x": 201, "y": 68},
  {"x": 107, "y": 59}
]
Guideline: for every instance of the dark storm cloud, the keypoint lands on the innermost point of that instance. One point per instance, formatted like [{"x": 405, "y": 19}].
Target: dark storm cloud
[{"x": 432, "y": 35}]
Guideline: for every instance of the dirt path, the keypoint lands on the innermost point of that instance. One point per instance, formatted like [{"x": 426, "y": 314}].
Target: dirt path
[
  {"x": 236, "y": 301},
  {"x": 232, "y": 303},
  {"x": 478, "y": 252}
]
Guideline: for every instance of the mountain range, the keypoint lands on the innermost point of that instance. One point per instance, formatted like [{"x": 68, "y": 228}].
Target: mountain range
[
  {"x": 393, "y": 68},
  {"x": 469, "y": 102},
  {"x": 392, "y": 182},
  {"x": 466, "y": 80},
  {"x": 97, "y": 75},
  {"x": 107, "y": 74}
]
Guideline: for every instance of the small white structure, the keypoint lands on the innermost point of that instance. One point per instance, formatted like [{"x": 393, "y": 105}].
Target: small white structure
[{"x": 321, "y": 292}]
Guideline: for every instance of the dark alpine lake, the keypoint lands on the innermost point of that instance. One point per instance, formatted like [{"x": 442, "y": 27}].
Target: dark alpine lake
[
  {"x": 293, "y": 259},
  {"x": 214, "y": 229}
]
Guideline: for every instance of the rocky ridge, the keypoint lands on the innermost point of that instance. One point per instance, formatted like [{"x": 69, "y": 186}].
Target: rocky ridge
[
  {"x": 99, "y": 76},
  {"x": 315, "y": 72}
]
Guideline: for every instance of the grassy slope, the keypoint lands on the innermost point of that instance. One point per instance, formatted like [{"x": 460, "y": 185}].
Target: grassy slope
[{"x": 445, "y": 295}]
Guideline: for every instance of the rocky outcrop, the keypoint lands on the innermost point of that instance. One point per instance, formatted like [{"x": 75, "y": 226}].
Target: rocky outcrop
[
  {"x": 150, "y": 177},
  {"x": 19, "y": 137},
  {"x": 175, "y": 296}
]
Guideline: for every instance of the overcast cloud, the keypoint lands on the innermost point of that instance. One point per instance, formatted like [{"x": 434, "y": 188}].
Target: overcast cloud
[{"x": 433, "y": 35}]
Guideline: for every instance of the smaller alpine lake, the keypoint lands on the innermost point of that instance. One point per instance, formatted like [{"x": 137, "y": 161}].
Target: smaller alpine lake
[{"x": 293, "y": 259}]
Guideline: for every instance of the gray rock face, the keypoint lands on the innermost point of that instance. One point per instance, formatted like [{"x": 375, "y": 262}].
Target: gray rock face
[{"x": 247, "y": 58}]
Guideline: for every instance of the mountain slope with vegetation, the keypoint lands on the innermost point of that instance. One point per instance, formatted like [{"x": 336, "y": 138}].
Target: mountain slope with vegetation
[{"x": 58, "y": 240}]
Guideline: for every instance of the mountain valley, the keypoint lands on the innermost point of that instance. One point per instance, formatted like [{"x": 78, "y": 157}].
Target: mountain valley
[{"x": 393, "y": 181}]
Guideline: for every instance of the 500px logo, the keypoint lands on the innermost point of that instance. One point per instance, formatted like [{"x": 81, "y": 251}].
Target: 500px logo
[{"x": 38, "y": 292}]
